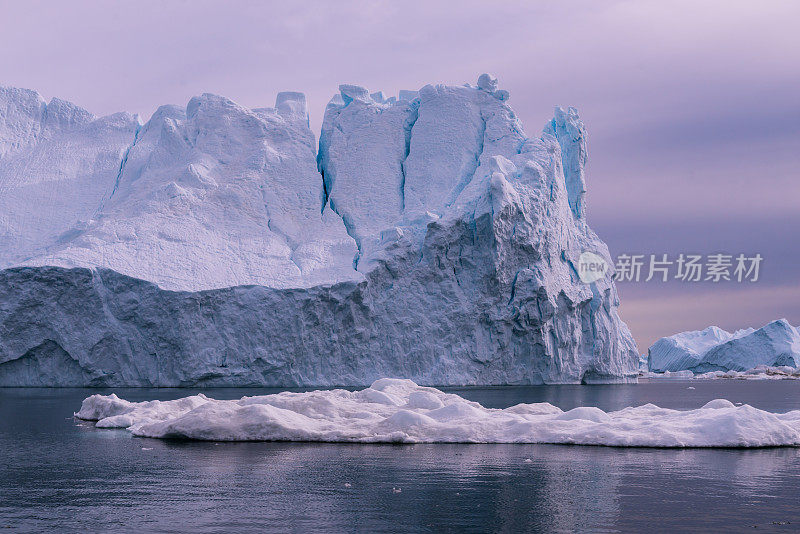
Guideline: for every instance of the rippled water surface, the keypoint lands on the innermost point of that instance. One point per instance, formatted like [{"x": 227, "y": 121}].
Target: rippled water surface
[{"x": 59, "y": 474}]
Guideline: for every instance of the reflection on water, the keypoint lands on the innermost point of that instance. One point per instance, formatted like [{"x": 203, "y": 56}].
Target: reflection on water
[{"x": 60, "y": 474}]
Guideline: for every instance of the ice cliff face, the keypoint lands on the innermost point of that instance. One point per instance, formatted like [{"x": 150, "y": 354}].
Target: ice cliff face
[
  {"x": 713, "y": 349},
  {"x": 429, "y": 238},
  {"x": 57, "y": 164}
]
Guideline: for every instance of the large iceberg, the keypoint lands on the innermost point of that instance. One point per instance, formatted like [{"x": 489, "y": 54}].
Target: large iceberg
[
  {"x": 427, "y": 238},
  {"x": 394, "y": 410},
  {"x": 774, "y": 345}
]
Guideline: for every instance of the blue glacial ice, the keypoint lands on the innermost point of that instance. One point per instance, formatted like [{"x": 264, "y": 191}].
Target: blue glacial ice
[{"x": 428, "y": 237}]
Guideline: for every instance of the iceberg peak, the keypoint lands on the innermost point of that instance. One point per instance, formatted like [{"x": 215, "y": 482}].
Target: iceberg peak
[
  {"x": 569, "y": 130},
  {"x": 487, "y": 82},
  {"x": 292, "y": 105},
  {"x": 354, "y": 92}
]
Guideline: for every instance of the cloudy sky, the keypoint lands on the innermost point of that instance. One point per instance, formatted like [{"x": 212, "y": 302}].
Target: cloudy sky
[{"x": 692, "y": 106}]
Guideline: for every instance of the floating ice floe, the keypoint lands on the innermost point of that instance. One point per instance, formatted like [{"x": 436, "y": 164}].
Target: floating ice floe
[
  {"x": 762, "y": 372},
  {"x": 400, "y": 411}
]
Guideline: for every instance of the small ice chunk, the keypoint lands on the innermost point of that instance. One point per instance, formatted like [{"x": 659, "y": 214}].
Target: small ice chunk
[
  {"x": 351, "y": 92},
  {"x": 502, "y": 95},
  {"x": 291, "y": 104},
  {"x": 487, "y": 82}
]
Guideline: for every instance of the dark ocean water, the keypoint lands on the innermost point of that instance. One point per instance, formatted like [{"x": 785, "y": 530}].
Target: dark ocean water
[{"x": 59, "y": 474}]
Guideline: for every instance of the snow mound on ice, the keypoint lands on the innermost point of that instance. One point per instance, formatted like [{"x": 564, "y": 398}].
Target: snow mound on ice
[
  {"x": 776, "y": 344},
  {"x": 394, "y": 410}
]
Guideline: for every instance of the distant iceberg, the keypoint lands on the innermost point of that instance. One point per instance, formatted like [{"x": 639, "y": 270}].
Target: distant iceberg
[
  {"x": 714, "y": 352},
  {"x": 400, "y": 411}
]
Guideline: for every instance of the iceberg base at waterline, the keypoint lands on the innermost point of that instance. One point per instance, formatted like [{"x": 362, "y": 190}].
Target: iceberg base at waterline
[{"x": 400, "y": 411}]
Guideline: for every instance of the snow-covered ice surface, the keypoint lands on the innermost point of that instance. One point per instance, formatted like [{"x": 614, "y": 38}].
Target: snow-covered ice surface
[
  {"x": 57, "y": 164},
  {"x": 714, "y": 351},
  {"x": 394, "y": 410},
  {"x": 428, "y": 238},
  {"x": 210, "y": 196}
]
